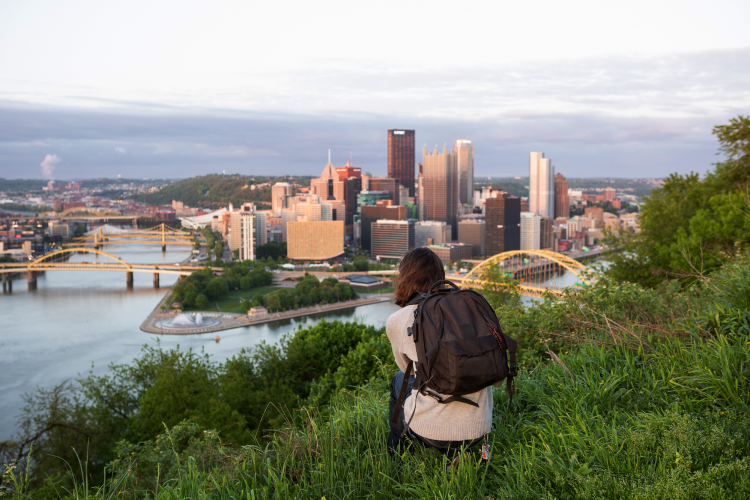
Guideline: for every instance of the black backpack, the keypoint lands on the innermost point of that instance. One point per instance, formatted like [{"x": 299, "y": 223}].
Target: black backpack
[{"x": 460, "y": 346}]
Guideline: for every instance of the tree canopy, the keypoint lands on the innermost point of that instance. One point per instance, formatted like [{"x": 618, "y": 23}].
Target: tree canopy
[{"x": 691, "y": 225}]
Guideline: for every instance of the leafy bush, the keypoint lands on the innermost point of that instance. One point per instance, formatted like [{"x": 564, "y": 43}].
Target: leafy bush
[
  {"x": 691, "y": 226},
  {"x": 308, "y": 292},
  {"x": 240, "y": 275}
]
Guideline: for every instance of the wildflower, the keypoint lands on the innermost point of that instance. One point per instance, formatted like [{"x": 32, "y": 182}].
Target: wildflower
[
  {"x": 722, "y": 413},
  {"x": 601, "y": 383}
]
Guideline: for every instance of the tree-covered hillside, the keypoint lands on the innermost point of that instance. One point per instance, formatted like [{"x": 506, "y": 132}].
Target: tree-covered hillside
[
  {"x": 21, "y": 185},
  {"x": 211, "y": 191}
]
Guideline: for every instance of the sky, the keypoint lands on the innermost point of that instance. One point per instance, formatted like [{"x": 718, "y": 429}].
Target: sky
[{"x": 174, "y": 89}]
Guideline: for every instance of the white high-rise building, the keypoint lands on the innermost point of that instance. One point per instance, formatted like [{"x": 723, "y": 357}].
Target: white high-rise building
[
  {"x": 247, "y": 232},
  {"x": 541, "y": 186},
  {"x": 464, "y": 152},
  {"x": 531, "y": 230}
]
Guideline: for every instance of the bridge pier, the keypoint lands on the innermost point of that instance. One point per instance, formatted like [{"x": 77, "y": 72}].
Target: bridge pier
[
  {"x": 156, "y": 280},
  {"x": 31, "y": 278},
  {"x": 164, "y": 248},
  {"x": 129, "y": 279},
  {"x": 5, "y": 282}
]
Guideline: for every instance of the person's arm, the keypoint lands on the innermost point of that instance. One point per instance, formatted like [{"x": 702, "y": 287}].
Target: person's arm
[{"x": 396, "y": 332}]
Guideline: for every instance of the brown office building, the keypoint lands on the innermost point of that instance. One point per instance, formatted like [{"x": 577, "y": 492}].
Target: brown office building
[
  {"x": 503, "y": 224},
  {"x": 401, "y": 158},
  {"x": 545, "y": 234},
  {"x": 386, "y": 184},
  {"x": 392, "y": 239},
  {"x": 371, "y": 213},
  {"x": 562, "y": 200},
  {"x": 352, "y": 187},
  {"x": 472, "y": 232},
  {"x": 594, "y": 213},
  {"x": 453, "y": 252},
  {"x": 438, "y": 188}
]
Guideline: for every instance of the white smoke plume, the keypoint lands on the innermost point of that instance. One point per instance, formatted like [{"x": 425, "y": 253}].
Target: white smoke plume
[{"x": 48, "y": 165}]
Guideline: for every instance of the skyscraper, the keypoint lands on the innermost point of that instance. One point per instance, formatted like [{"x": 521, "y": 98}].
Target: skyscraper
[
  {"x": 279, "y": 193},
  {"x": 541, "y": 186},
  {"x": 329, "y": 187},
  {"x": 502, "y": 227},
  {"x": 247, "y": 234},
  {"x": 352, "y": 188},
  {"x": 464, "y": 152},
  {"x": 531, "y": 231},
  {"x": 562, "y": 200},
  {"x": 401, "y": 157},
  {"x": 371, "y": 213},
  {"x": 440, "y": 190}
]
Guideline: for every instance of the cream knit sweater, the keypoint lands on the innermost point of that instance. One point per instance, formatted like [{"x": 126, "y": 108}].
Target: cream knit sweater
[{"x": 445, "y": 422}]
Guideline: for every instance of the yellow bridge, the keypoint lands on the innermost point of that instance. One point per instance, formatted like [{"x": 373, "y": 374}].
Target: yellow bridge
[
  {"x": 160, "y": 234},
  {"x": 115, "y": 264},
  {"x": 91, "y": 214},
  {"x": 538, "y": 272}
]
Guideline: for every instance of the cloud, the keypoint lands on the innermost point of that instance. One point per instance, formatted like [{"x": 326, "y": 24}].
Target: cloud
[
  {"x": 48, "y": 165},
  {"x": 120, "y": 150},
  {"x": 624, "y": 116}
]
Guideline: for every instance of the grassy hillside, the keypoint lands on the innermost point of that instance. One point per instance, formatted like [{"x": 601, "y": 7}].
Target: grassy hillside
[{"x": 624, "y": 392}]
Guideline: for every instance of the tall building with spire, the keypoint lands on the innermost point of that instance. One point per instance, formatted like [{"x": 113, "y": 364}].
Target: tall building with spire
[
  {"x": 401, "y": 157},
  {"x": 464, "y": 152},
  {"x": 328, "y": 187},
  {"x": 439, "y": 188},
  {"x": 541, "y": 186}
]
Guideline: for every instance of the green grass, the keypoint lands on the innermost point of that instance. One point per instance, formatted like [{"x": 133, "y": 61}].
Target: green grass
[
  {"x": 621, "y": 425},
  {"x": 231, "y": 303}
]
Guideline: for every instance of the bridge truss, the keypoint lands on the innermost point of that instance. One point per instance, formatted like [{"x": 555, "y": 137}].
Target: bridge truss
[
  {"x": 114, "y": 264},
  {"x": 539, "y": 272},
  {"x": 159, "y": 235}
]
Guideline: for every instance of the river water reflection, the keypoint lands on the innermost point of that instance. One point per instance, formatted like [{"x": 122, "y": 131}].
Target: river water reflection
[{"x": 76, "y": 320}]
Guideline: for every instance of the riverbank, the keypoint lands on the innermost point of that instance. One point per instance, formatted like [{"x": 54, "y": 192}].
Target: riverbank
[{"x": 228, "y": 321}]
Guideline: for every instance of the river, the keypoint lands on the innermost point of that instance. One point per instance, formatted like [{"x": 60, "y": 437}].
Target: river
[
  {"x": 80, "y": 321},
  {"x": 77, "y": 321}
]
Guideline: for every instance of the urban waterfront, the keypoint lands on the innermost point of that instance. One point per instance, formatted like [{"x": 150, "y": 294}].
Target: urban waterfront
[{"x": 76, "y": 320}]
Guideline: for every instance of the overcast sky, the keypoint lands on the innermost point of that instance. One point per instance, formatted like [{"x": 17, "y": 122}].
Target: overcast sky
[{"x": 176, "y": 89}]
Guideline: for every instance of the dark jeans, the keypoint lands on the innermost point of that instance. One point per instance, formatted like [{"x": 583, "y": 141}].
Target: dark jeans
[{"x": 397, "y": 439}]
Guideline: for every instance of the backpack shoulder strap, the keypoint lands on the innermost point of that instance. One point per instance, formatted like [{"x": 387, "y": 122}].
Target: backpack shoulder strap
[
  {"x": 415, "y": 298},
  {"x": 402, "y": 394}
]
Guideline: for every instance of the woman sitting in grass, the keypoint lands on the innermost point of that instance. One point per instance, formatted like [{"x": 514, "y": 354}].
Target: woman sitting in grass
[{"x": 446, "y": 427}]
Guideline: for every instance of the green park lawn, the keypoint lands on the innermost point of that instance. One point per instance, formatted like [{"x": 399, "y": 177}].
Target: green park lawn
[{"x": 231, "y": 303}]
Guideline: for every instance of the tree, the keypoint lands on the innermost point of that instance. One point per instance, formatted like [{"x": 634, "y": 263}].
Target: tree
[
  {"x": 217, "y": 287},
  {"x": 499, "y": 289},
  {"x": 691, "y": 225},
  {"x": 360, "y": 264},
  {"x": 201, "y": 301}
]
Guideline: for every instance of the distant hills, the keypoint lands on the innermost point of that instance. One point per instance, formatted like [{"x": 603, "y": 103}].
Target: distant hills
[{"x": 212, "y": 191}]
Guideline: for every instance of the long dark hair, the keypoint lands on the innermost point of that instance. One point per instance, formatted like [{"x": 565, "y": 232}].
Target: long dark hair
[{"x": 419, "y": 269}]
